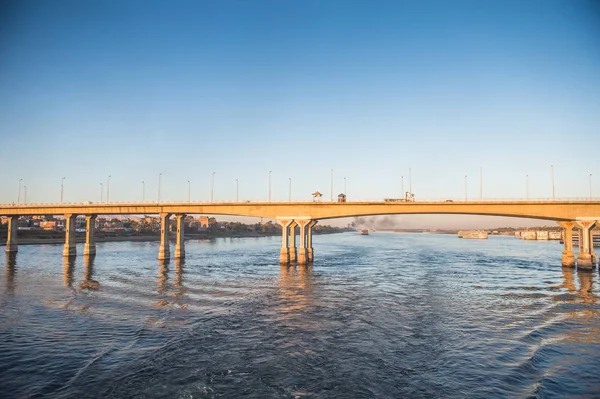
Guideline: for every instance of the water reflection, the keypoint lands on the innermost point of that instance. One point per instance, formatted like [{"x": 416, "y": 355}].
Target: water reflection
[
  {"x": 569, "y": 279},
  {"x": 68, "y": 268},
  {"x": 88, "y": 274},
  {"x": 295, "y": 288},
  {"x": 11, "y": 269},
  {"x": 163, "y": 275},
  {"x": 179, "y": 272},
  {"x": 586, "y": 282}
]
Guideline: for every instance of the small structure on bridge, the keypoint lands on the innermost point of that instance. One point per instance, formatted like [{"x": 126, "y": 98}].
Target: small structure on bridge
[
  {"x": 317, "y": 196},
  {"x": 342, "y": 197}
]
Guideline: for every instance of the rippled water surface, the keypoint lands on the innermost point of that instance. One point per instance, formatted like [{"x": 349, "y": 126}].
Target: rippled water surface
[{"x": 384, "y": 315}]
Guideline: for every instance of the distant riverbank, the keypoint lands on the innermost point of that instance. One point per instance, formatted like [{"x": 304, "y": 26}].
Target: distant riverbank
[{"x": 80, "y": 238}]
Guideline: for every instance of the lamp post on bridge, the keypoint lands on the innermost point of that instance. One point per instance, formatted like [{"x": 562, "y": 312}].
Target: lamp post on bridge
[
  {"x": 237, "y": 190},
  {"x": 465, "y": 188},
  {"x": 402, "y": 179},
  {"x": 101, "y": 192},
  {"x": 19, "y": 192},
  {"x": 107, "y": 189},
  {"x": 527, "y": 186},
  {"x": 331, "y": 187},
  {"x": 62, "y": 187},
  {"x": 189, "y": 191},
  {"x": 590, "y": 186},
  {"x": 345, "y": 187},
  {"x": 290, "y": 191},
  {"x": 25, "y": 199},
  {"x": 143, "y": 191},
  {"x": 269, "y": 186},
  {"x": 410, "y": 181},
  {"x": 480, "y": 183},
  {"x": 212, "y": 187},
  {"x": 552, "y": 179},
  {"x": 159, "y": 181}
]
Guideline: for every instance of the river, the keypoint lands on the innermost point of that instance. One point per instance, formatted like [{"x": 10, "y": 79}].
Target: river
[{"x": 385, "y": 315}]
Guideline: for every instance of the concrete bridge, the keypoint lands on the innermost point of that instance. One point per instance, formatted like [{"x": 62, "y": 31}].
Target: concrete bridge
[{"x": 582, "y": 215}]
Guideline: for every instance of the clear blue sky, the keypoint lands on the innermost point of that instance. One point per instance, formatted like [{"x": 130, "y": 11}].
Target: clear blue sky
[{"x": 137, "y": 88}]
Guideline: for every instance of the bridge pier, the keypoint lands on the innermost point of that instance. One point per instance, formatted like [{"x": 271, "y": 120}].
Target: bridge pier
[
  {"x": 69, "y": 248},
  {"x": 568, "y": 257},
  {"x": 179, "y": 244},
  {"x": 293, "y": 250},
  {"x": 591, "y": 238},
  {"x": 284, "y": 254},
  {"x": 309, "y": 247},
  {"x": 585, "y": 260},
  {"x": 302, "y": 252},
  {"x": 11, "y": 239},
  {"x": 90, "y": 235},
  {"x": 164, "y": 252}
]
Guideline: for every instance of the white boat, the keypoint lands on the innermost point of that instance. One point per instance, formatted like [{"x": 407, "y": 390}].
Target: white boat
[
  {"x": 480, "y": 234},
  {"x": 529, "y": 235},
  {"x": 554, "y": 235},
  {"x": 541, "y": 235}
]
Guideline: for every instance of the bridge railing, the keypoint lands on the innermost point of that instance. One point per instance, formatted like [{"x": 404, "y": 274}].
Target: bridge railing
[{"x": 353, "y": 201}]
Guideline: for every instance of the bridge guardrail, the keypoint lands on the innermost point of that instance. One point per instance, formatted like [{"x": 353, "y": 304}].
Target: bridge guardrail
[{"x": 377, "y": 200}]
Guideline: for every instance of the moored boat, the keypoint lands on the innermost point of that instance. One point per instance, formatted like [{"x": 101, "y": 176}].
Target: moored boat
[{"x": 481, "y": 234}]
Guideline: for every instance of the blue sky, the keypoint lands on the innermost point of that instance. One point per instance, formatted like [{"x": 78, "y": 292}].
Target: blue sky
[{"x": 133, "y": 89}]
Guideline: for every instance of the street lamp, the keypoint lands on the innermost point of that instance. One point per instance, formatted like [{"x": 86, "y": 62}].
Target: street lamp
[
  {"x": 62, "y": 186},
  {"x": 237, "y": 190},
  {"x": 159, "y": 181},
  {"x": 189, "y": 191},
  {"x": 269, "y": 186},
  {"x": 101, "y": 192},
  {"x": 410, "y": 181},
  {"x": 107, "y": 189},
  {"x": 590, "y": 186},
  {"x": 402, "y": 179},
  {"x": 480, "y": 183},
  {"x": 19, "y": 192},
  {"x": 331, "y": 188},
  {"x": 345, "y": 186},
  {"x": 552, "y": 178},
  {"x": 465, "y": 188},
  {"x": 527, "y": 185},
  {"x": 212, "y": 187},
  {"x": 143, "y": 191},
  {"x": 290, "y": 191},
  {"x": 25, "y": 188}
]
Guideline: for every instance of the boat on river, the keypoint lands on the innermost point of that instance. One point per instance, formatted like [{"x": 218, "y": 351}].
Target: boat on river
[{"x": 478, "y": 234}]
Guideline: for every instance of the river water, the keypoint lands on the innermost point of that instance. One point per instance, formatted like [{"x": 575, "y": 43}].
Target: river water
[{"x": 384, "y": 315}]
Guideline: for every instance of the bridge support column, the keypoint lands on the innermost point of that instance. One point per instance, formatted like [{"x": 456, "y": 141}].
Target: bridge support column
[
  {"x": 179, "y": 244},
  {"x": 309, "y": 247},
  {"x": 568, "y": 258},
  {"x": 164, "y": 252},
  {"x": 293, "y": 250},
  {"x": 284, "y": 254},
  {"x": 69, "y": 248},
  {"x": 584, "y": 258},
  {"x": 90, "y": 235},
  {"x": 302, "y": 252},
  {"x": 11, "y": 239},
  {"x": 591, "y": 246}
]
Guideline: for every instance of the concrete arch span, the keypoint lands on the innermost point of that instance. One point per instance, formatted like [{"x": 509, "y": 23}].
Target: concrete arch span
[{"x": 548, "y": 210}]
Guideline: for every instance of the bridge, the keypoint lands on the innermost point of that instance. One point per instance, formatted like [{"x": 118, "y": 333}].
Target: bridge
[{"x": 580, "y": 214}]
